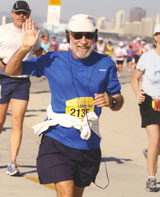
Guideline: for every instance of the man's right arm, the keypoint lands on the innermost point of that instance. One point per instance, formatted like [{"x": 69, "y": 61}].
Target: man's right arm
[
  {"x": 29, "y": 38},
  {"x": 14, "y": 66}
]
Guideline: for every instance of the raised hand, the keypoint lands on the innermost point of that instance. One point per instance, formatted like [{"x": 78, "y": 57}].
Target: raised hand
[{"x": 29, "y": 35}]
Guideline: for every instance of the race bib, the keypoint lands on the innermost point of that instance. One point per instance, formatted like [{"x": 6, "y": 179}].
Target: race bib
[{"x": 79, "y": 107}]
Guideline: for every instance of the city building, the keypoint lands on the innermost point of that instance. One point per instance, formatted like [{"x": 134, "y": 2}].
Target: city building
[
  {"x": 157, "y": 20},
  {"x": 132, "y": 28},
  {"x": 104, "y": 25},
  {"x": 6, "y": 20},
  {"x": 138, "y": 24},
  {"x": 136, "y": 14},
  {"x": 147, "y": 26},
  {"x": 54, "y": 10},
  {"x": 119, "y": 20}
]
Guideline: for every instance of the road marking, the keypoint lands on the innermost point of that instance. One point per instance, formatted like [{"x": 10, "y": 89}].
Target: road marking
[{"x": 51, "y": 186}]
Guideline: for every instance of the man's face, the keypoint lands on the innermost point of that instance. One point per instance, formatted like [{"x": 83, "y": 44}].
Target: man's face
[
  {"x": 82, "y": 44},
  {"x": 19, "y": 18}
]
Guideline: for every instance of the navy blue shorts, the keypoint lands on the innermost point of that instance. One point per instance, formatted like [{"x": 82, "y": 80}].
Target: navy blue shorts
[
  {"x": 14, "y": 88},
  {"x": 119, "y": 61},
  {"x": 136, "y": 57},
  {"x": 57, "y": 162}
]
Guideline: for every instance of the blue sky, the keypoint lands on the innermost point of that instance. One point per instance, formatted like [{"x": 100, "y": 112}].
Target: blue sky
[{"x": 95, "y": 8}]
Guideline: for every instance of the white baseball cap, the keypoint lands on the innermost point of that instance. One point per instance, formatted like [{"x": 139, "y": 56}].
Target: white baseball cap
[
  {"x": 157, "y": 29},
  {"x": 100, "y": 38},
  {"x": 82, "y": 23},
  {"x": 64, "y": 40},
  {"x": 121, "y": 44},
  {"x": 138, "y": 39}
]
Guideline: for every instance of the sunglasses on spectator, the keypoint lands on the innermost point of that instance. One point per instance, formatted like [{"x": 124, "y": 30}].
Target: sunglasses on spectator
[
  {"x": 79, "y": 35},
  {"x": 21, "y": 12}
]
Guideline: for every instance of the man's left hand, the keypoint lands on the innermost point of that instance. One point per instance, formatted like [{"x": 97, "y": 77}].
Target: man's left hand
[{"x": 102, "y": 100}]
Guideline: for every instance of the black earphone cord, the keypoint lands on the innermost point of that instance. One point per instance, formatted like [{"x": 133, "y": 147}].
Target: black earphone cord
[{"x": 108, "y": 182}]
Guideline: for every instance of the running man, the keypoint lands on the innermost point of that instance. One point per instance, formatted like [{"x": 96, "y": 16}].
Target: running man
[
  {"x": 81, "y": 82},
  {"x": 120, "y": 55}
]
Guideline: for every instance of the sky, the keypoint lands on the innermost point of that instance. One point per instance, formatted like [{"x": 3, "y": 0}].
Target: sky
[{"x": 96, "y": 8}]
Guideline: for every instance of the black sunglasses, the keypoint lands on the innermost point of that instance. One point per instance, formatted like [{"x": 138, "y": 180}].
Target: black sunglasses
[
  {"x": 21, "y": 12},
  {"x": 79, "y": 35}
]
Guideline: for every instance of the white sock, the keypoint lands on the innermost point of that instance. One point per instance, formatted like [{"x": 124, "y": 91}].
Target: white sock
[{"x": 151, "y": 177}]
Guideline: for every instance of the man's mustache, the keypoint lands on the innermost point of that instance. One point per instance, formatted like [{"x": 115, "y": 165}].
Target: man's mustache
[{"x": 84, "y": 45}]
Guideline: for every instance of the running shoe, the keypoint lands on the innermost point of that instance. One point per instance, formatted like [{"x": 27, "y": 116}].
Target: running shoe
[
  {"x": 12, "y": 169},
  {"x": 151, "y": 185},
  {"x": 145, "y": 150}
]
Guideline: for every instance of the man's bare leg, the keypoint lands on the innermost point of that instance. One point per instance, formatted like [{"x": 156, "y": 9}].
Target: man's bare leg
[
  {"x": 67, "y": 189},
  {"x": 18, "y": 108},
  {"x": 3, "y": 112},
  {"x": 78, "y": 191}
]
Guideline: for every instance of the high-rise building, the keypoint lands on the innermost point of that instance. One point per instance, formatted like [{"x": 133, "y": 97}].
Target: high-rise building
[
  {"x": 54, "y": 10},
  {"x": 6, "y": 19},
  {"x": 119, "y": 19},
  {"x": 157, "y": 19},
  {"x": 103, "y": 24},
  {"x": 136, "y": 14},
  {"x": 147, "y": 26},
  {"x": 133, "y": 28}
]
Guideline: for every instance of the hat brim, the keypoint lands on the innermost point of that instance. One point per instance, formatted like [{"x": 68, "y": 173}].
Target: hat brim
[
  {"x": 156, "y": 32},
  {"x": 21, "y": 10}
]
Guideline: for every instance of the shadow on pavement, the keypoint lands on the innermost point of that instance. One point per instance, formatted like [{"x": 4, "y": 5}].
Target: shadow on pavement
[
  {"x": 5, "y": 166},
  {"x": 117, "y": 160},
  {"x": 28, "y": 172},
  {"x": 40, "y": 92},
  {"x": 6, "y": 128},
  {"x": 39, "y": 110}
]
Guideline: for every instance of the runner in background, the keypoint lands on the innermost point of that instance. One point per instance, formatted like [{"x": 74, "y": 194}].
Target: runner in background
[
  {"x": 148, "y": 98},
  {"x": 120, "y": 54},
  {"x": 130, "y": 57},
  {"x": 14, "y": 90},
  {"x": 64, "y": 46},
  {"x": 45, "y": 43},
  {"x": 136, "y": 47},
  {"x": 109, "y": 49},
  {"x": 54, "y": 45},
  {"x": 100, "y": 46},
  {"x": 144, "y": 47}
]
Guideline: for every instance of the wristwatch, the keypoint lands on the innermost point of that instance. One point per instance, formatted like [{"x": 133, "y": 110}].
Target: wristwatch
[{"x": 114, "y": 102}]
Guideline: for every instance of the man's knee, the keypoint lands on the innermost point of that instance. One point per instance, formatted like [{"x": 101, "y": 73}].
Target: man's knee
[
  {"x": 65, "y": 188},
  {"x": 17, "y": 121}
]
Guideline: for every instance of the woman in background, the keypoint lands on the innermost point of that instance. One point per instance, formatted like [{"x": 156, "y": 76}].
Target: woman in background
[{"x": 148, "y": 98}]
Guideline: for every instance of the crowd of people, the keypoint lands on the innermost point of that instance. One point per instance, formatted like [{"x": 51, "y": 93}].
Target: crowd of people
[
  {"x": 128, "y": 53},
  {"x": 103, "y": 48},
  {"x": 51, "y": 44},
  {"x": 69, "y": 154}
]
